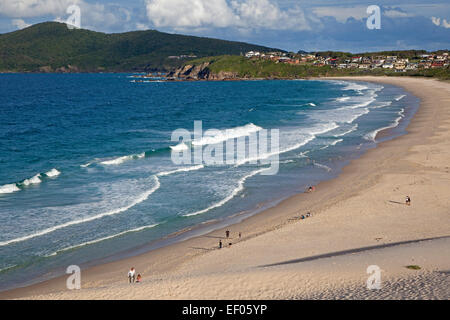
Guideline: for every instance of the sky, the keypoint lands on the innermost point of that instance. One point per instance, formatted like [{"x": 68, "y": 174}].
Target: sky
[{"x": 309, "y": 25}]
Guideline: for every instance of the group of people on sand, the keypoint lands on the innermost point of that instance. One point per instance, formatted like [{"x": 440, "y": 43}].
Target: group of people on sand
[
  {"x": 227, "y": 235},
  {"x": 304, "y": 216},
  {"x": 132, "y": 278}
]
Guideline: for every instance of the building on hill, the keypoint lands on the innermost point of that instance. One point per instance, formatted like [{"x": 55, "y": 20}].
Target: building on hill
[
  {"x": 437, "y": 64},
  {"x": 412, "y": 66}
]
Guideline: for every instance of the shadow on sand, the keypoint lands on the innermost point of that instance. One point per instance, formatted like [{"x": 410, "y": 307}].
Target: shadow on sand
[{"x": 350, "y": 251}]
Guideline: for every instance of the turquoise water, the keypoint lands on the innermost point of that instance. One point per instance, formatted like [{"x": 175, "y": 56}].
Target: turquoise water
[{"x": 85, "y": 160}]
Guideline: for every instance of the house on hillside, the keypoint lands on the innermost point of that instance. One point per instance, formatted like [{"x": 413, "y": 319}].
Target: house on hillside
[
  {"x": 252, "y": 54},
  {"x": 412, "y": 66},
  {"x": 364, "y": 66},
  {"x": 399, "y": 65},
  {"x": 437, "y": 64},
  {"x": 331, "y": 62}
]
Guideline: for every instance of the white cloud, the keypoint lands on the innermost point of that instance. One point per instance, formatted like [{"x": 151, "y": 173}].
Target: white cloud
[
  {"x": 34, "y": 8},
  {"x": 341, "y": 14},
  {"x": 19, "y": 23},
  {"x": 436, "y": 21},
  {"x": 397, "y": 13},
  {"x": 192, "y": 13},
  {"x": 94, "y": 15},
  {"x": 141, "y": 26},
  {"x": 265, "y": 14},
  {"x": 243, "y": 14}
]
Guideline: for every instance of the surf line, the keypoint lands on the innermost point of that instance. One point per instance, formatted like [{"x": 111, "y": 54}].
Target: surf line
[{"x": 144, "y": 196}]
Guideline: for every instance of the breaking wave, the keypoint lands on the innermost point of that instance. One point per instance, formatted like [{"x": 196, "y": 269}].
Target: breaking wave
[
  {"x": 236, "y": 191},
  {"x": 120, "y": 160},
  {"x": 36, "y": 179},
  {"x": 226, "y": 134},
  {"x": 144, "y": 196}
]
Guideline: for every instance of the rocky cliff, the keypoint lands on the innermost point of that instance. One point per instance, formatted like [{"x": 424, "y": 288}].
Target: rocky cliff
[{"x": 201, "y": 72}]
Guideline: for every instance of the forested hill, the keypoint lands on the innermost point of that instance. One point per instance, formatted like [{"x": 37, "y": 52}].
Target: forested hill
[{"x": 52, "y": 47}]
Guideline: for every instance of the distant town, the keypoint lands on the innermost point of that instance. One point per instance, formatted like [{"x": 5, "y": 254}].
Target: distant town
[{"x": 396, "y": 63}]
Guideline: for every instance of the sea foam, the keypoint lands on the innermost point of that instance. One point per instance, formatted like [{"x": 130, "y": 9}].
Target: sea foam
[
  {"x": 235, "y": 191},
  {"x": 371, "y": 136},
  {"x": 180, "y": 147},
  {"x": 104, "y": 238},
  {"x": 52, "y": 173},
  {"x": 122, "y": 159},
  {"x": 142, "y": 197},
  {"x": 34, "y": 180},
  {"x": 9, "y": 188},
  {"x": 226, "y": 134}
]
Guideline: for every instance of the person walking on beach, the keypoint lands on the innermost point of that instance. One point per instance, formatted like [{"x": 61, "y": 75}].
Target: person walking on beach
[
  {"x": 240, "y": 235},
  {"x": 131, "y": 275},
  {"x": 408, "y": 201},
  {"x": 227, "y": 233},
  {"x": 220, "y": 244},
  {"x": 138, "y": 278}
]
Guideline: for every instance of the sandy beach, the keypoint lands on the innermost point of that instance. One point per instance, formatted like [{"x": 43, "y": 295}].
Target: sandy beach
[{"x": 358, "y": 219}]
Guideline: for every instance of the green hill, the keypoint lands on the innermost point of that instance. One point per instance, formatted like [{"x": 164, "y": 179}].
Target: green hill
[
  {"x": 236, "y": 67},
  {"x": 51, "y": 46}
]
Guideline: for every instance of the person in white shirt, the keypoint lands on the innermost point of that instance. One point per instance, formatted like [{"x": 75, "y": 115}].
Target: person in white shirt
[{"x": 131, "y": 275}]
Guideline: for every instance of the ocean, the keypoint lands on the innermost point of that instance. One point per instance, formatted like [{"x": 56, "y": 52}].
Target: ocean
[{"x": 86, "y": 173}]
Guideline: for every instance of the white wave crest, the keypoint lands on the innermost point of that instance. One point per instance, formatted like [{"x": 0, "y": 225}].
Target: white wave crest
[
  {"x": 335, "y": 142},
  {"x": 180, "y": 147},
  {"x": 53, "y": 173},
  {"x": 104, "y": 238},
  {"x": 322, "y": 166},
  {"x": 86, "y": 165},
  {"x": 342, "y": 99},
  {"x": 311, "y": 135},
  {"x": 346, "y": 132},
  {"x": 236, "y": 191},
  {"x": 355, "y": 87},
  {"x": 9, "y": 188},
  {"x": 120, "y": 160},
  {"x": 371, "y": 136},
  {"x": 186, "y": 169},
  {"x": 34, "y": 180},
  {"x": 382, "y": 105},
  {"x": 8, "y": 267},
  {"x": 400, "y": 97},
  {"x": 144, "y": 196},
  {"x": 227, "y": 134}
]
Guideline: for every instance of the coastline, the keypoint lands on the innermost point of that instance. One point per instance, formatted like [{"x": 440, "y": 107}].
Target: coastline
[{"x": 266, "y": 235}]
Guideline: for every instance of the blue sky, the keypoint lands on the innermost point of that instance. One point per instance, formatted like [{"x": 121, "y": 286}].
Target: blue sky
[{"x": 286, "y": 24}]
